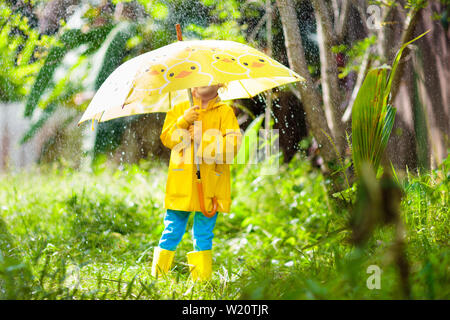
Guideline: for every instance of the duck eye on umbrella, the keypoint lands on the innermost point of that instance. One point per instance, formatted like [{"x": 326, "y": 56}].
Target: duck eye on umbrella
[
  {"x": 233, "y": 59},
  {"x": 262, "y": 60},
  {"x": 217, "y": 57},
  {"x": 171, "y": 74},
  {"x": 162, "y": 70},
  {"x": 245, "y": 64},
  {"x": 193, "y": 68}
]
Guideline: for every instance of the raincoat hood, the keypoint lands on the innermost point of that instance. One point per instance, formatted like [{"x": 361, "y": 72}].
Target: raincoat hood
[{"x": 212, "y": 104}]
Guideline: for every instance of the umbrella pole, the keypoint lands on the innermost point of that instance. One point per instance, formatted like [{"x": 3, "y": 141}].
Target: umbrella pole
[
  {"x": 199, "y": 180},
  {"x": 180, "y": 38}
]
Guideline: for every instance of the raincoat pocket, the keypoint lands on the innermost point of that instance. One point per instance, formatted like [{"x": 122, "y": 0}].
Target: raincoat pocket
[
  {"x": 211, "y": 182},
  {"x": 178, "y": 182}
]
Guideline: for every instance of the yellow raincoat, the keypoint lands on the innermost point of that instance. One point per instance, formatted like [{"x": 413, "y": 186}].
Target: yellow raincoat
[{"x": 181, "y": 189}]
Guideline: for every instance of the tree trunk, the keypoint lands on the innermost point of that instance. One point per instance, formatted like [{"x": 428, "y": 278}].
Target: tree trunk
[
  {"x": 432, "y": 55},
  {"x": 329, "y": 73},
  {"x": 434, "y": 87},
  {"x": 315, "y": 115}
]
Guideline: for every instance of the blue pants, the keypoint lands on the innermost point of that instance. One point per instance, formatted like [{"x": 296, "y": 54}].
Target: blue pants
[{"x": 175, "y": 222}]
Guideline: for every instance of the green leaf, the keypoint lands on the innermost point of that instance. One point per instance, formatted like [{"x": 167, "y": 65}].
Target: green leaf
[
  {"x": 69, "y": 40},
  {"x": 395, "y": 64},
  {"x": 113, "y": 50},
  {"x": 27, "y": 52},
  {"x": 159, "y": 11},
  {"x": 372, "y": 116},
  {"x": 368, "y": 118},
  {"x": 54, "y": 58}
]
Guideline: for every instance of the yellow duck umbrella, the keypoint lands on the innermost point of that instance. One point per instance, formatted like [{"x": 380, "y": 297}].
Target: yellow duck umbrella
[{"x": 154, "y": 81}]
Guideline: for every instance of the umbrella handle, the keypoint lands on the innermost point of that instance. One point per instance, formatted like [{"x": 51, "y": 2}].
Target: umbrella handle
[
  {"x": 202, "y": 202},
  {"x": 180, "y": 38},
  {"x": 179, "y": 35},
  {"x": 199, "y": 181}
]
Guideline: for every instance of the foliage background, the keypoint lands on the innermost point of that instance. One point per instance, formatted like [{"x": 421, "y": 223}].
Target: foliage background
[{"x": 69, "y": 231}]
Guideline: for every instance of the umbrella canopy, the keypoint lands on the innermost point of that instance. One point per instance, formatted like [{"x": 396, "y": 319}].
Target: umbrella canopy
[{"x": 154, "y": 81}]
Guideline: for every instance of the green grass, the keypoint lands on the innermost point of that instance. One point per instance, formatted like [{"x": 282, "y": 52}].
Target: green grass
[{"x": 67, "y": 234}]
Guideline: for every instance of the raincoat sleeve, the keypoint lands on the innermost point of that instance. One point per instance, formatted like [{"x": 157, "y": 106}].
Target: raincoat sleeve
[
  {"x": 170, "y": 135},
  {"x": 231, "y": 140}
]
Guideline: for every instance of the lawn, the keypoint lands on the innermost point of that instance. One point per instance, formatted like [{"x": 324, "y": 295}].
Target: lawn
[{"x": 75, "y": 234}]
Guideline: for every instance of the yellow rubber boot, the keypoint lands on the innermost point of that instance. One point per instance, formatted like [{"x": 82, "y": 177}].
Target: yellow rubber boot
[
  {"x": 162, "y": 260},
  {"x": 200, "y": 264}
]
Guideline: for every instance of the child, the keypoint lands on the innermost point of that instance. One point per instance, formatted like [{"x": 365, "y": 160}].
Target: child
[{"x": 181, "y": 189}]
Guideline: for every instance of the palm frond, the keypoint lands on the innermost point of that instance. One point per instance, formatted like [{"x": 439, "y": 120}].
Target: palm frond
[{"x": 372, "y": 115}]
